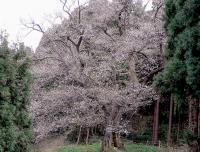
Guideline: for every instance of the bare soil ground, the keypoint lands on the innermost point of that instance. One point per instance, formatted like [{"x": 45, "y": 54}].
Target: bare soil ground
[{"x": 50, "y": 145}]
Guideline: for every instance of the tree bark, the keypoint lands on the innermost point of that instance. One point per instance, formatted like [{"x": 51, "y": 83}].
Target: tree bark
[
  {"x": 169, "y": 134},
  {"x": 156, "y": 122},
  {"x": 132, "y": 71},
  {"x": 194, "y": 116},
  {"x": 194, "y": 123},
  {"x": 87, "y": 137},
  {"x": 111, "y": 130},
  {"x": 117, "y": 141},
  {"x": 79, "y": 135},
  {"x": 199, "y": 120},
  {"x": 92, "y": 131},
  {"x": 190, "y": 114},
  {"x": 178, "y": 127},
  {"x": 107, "y": 140},
  {"x": 95, "y": 129}
]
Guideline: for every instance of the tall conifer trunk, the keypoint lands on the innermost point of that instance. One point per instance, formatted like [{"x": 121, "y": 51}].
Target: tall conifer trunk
[
  {"x": 199, "y": 119},
  {"x": 194, "y": 123},
  {"x": 194, "y": 116},
  {"x": 190, "y": 114},
  {"x": 156, "y": 122},
  {"x": 196, "y": 113},
  {"x": 178, "y": 126},
  {"x": 169, "y": 134}
]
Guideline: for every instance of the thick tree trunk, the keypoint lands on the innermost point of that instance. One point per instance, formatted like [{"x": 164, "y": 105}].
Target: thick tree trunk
[
  {"x": 87, "y": 136},
  {"x": 132, "y": 71},
  {"x": 107, "y": 141},
  {"x": 79, "y": 135},
  {"x": 169, "y": 134},
  {"x": 113, "y": 121},
  {"x": 156, "y": 122},
  {"x": 117, "y": 141}
]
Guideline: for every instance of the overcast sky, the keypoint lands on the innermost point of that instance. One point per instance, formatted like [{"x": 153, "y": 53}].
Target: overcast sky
[{"x": 12, "y": 11}]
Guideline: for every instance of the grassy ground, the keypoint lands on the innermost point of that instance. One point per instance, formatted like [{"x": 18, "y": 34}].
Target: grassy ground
[
  {"x": 55, "y": 144},
  {"x": 130, "y": 147}
]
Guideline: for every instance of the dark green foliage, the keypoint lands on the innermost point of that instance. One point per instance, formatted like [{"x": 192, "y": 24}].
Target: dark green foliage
[
  {"x": 182, "y": 71},
  {"x": 181, "y": 75},
  {"x": 143, "y": 136},
  {"x": 15, "y": 80},
  {"x": 188, "y": 136}
]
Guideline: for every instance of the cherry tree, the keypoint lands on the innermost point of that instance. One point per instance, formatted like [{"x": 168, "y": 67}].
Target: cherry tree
[{"x": 90, "y": 70}]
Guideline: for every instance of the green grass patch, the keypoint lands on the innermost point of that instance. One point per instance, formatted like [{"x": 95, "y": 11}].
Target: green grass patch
[
  {"x": 81, "y": 148},
  {"x": 130, "y": 147},
  {"x": 140, "y": 148}
]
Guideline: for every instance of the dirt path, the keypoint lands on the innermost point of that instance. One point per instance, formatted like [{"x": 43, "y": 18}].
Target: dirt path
[{"x": 50, "y": 145}]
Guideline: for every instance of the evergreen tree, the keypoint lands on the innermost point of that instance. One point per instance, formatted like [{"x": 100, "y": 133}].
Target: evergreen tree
[
  {"x": 181, "y": 75},
  {"x": 15, "y": 80},
  {"x": 22, "y": 94},
  {"x": 8, "y": 134}
]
